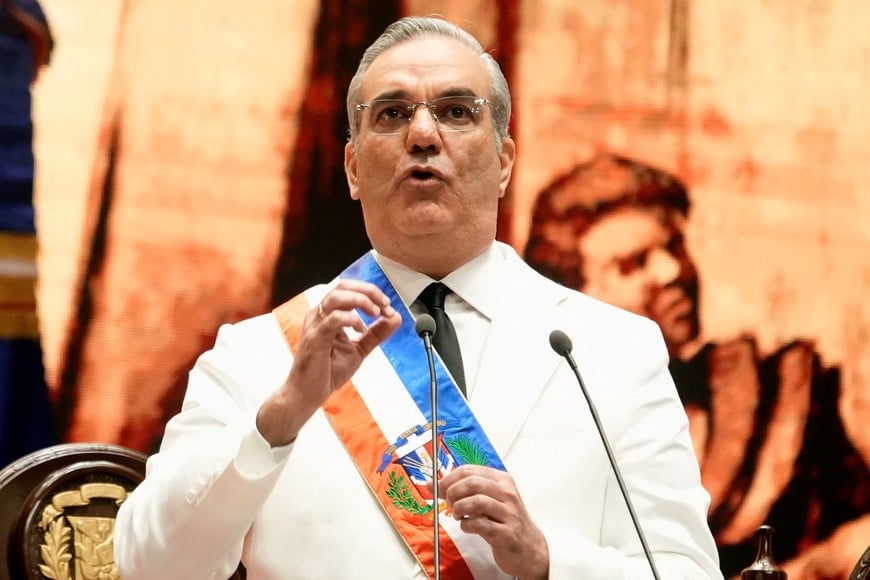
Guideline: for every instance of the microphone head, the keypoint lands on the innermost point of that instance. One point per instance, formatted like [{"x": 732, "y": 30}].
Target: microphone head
[
  {"x": 560, "y": 342},
  {"x": 425, "y": 324}
]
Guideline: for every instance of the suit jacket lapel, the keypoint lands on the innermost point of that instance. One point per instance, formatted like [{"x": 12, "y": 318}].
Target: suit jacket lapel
[{"x": 517, "y": 360}]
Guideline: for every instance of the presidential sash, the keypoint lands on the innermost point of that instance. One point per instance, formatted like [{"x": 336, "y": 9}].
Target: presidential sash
[{"x": 383, "y": 418}]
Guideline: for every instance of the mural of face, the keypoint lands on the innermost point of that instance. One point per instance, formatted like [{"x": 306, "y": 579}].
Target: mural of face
[{"x": 635, "y": 257}]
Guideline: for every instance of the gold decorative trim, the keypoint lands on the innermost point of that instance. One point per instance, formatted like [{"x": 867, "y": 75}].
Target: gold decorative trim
[
  {"x": 55, "y": 551},
  {"x": 93, "y": 557}
]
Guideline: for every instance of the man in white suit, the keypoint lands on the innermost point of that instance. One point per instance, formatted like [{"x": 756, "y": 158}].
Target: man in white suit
[{"x": 304, "y": 443}]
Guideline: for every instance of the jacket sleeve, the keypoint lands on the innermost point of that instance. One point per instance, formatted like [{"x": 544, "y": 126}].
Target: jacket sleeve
[{"x": 203, "y": 489}]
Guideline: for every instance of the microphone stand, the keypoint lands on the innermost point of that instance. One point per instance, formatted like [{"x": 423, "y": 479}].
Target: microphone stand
[
  {"x": 426, "y": 328},
  {"x": 560, "y": 343}
]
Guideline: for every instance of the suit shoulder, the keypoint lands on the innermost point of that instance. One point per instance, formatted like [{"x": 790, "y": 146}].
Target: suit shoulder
[{"x": 580, "y": 311}]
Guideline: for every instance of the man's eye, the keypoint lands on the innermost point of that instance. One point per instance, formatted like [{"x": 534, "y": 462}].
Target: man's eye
[
  {"x": 631, "y": 264},
  {"x": 454, "y": 110},
  {"x": 458, "y": 112},
  {"x": 390, "y": 113}
]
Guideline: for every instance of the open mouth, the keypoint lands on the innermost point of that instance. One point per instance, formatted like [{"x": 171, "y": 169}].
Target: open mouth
[{"x": 422, "y": 175}]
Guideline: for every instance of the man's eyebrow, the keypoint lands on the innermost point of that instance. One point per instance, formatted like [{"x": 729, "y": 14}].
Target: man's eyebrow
[
  {"x": 448, "y": 92},
  {"x": 394, "y": 94},
  {"x": 457, "y": 92}
]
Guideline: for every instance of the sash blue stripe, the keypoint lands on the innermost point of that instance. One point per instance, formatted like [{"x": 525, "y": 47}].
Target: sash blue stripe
[{"x": 405, "y": 352}]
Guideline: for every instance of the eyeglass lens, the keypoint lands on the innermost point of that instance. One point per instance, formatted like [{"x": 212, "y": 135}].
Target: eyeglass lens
[{"x": 458, "y": 113}]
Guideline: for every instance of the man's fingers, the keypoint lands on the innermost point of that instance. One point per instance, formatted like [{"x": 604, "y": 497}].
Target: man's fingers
[
  {"x": 340, "y": 319},
  {"x": 379, "y": 330},
  {"x": 481, "y": 507},
  {"x": 352, "y": 294},
  {"x": 468, "y": 480}
]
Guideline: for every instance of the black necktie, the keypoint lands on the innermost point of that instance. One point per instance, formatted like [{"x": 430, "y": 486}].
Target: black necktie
[{"x": 444, "y": 340}]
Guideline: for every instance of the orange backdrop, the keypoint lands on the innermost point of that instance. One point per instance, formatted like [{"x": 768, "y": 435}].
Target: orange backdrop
[{"x": 188, "y": 175}]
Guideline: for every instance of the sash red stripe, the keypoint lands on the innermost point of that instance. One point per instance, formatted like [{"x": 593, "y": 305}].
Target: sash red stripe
[{"x": 364, "y": 441}]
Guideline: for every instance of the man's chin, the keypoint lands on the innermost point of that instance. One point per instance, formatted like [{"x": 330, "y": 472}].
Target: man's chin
[{"x": 426, "y": 219}]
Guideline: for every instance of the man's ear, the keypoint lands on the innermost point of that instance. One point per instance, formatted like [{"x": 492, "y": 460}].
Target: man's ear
[
  {"x": 506, "y": 161},
  {"x": 350, "y": 170}
]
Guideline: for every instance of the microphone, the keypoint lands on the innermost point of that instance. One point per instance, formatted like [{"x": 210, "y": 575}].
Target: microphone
[
  {"x": 560, "y": 343},
  {"x": 425, "y": 327}
]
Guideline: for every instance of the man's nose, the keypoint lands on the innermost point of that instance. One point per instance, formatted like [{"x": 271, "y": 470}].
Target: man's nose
[
  {"x": 662, "y": 266},
  {"x": 423, "y": 130}
]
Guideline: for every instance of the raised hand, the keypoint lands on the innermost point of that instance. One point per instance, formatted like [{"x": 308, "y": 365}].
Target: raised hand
[{"x": 327, "y": 356}]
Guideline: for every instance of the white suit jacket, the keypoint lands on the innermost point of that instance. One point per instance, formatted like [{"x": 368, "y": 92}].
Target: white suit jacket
[{"x": 216, "y": 493}]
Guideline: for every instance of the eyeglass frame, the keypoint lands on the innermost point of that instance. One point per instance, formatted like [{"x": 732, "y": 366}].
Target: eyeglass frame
[{"x": 414, "y": 105}]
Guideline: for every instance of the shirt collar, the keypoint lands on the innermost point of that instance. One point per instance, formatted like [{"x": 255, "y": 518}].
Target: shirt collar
[{"x": 476, "y": 282}]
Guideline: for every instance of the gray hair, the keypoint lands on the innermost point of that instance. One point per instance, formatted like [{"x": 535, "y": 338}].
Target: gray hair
[{"x": 414, "y": 27}]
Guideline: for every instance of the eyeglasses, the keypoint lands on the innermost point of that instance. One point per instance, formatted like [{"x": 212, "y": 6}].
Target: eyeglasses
[{"x": 392, "y": 116}]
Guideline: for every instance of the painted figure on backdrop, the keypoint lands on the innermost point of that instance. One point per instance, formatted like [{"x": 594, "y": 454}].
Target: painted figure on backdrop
[
  {"x": 25, "y": 418},
  {"x": 765, "y": 426}
]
